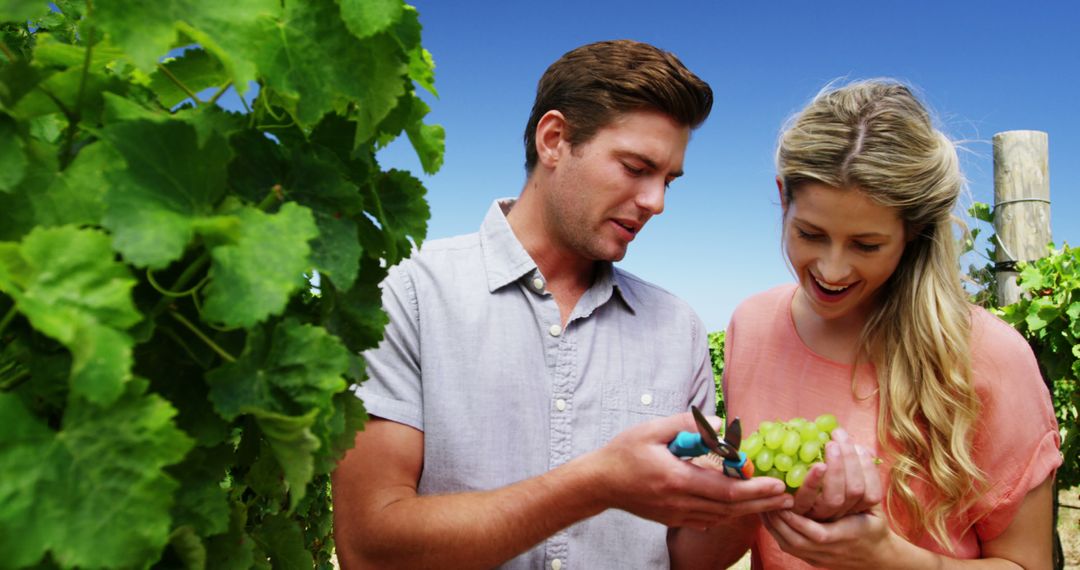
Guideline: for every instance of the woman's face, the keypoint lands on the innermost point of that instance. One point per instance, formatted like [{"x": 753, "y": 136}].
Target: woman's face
[{"x": 843, "y": 248}]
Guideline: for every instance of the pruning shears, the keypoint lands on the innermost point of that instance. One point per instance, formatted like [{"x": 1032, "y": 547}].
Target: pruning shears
[{"x": 689, "y": 444}]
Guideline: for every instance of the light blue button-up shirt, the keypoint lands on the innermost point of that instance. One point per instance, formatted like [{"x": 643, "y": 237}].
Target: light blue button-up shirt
[{"x": 475, "y": 357}]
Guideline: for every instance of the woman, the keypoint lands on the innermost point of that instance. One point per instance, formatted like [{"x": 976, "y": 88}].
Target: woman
[{"x": 878, "y": 331}]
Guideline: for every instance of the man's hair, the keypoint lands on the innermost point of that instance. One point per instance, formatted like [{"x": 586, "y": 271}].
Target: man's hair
[{"x": 595, "y": 83}]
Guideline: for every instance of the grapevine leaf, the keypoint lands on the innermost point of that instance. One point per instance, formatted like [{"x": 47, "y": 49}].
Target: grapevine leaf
[
  {"x": 396, "y": 201},
  {"x": 20, "y": 10},
  {"x": 283, "y": 542},
  {"x": 188, "y": 547},
  {"x": 153, "y": 207},
  {"x": 314, "y": 64},
  {"x": 430, "y": 143},
  {"x": 336, "y": 252},
  {"x": 76, "y": 195},
  {"x": 422, "y": 69},
  {"x": 366, "y": 18},
  {"x": 356, "y": 315},
  {"x": 337, "y": 428},
  {"x": 234, "y": 549},
  {"x": 70, "y": 288},
  {"x": 293, "y": 445},
  {"x": 195, "y": 69},
  {"x": 13, "y": 160},
  {"x": 299, "y": 367},
  {"x": 67, "y": 492},
  {"x": 201, "y": 503},
  {"x": 252, "y": 278}
]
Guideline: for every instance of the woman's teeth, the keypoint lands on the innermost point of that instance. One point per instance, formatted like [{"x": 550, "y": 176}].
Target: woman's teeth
[{"x": 831, "y": 288}]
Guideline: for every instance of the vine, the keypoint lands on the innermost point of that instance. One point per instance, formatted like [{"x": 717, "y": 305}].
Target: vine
[{"x": 173, "y": 391}]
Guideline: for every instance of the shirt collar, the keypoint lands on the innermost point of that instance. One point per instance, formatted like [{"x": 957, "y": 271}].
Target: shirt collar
[{"x": 506, "y": 260}]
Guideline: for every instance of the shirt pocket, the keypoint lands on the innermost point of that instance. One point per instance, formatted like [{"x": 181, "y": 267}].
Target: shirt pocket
[{"x": 630, "y": 403}]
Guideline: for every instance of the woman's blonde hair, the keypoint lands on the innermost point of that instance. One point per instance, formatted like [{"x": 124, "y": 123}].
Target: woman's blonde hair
[{"x": 875, "y": 137}]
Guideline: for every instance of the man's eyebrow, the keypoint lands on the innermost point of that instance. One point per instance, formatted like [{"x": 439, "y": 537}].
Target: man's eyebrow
[{"x": 651, "y": 163}]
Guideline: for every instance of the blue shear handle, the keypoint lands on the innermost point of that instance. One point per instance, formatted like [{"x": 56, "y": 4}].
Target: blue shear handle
[{"x": 687, "y": 444}]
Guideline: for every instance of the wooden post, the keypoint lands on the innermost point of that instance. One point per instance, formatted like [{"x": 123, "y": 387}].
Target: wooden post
[{"x": 1021, "y": 205}]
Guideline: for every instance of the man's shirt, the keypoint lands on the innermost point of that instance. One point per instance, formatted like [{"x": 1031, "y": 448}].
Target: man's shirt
[{"x": 475, "y": 357}]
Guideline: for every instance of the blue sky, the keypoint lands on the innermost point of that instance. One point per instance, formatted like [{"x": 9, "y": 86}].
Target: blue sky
[{"x": 983, "y": 67}]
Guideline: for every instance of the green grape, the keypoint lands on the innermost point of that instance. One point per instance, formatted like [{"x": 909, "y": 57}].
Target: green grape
[
  {"x": 824, "y": 437},
  {"x": 752, "y": 445},
  {"x": 796, "y": 475},
  {"x": 765, "y": 426},
  {"x": 775, "y": 436},
  {"x": 791, "y": 443},
  {"x": 764, "y": 460},
  {"x": 783, "y": 462},
  {"x": 826, "y": 422},
  {"x": 810, "y": 451},
  {"x": 797, "y": 423},
  {"x": 774, "y": 474},
  {"x": 809, "y": 432}
]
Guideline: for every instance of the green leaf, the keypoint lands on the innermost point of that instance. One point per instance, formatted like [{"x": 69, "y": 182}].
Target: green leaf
[
  {"x": 233, "y": 550},
  {"x": 430, "y": 144},
  {"x": 76, "y": 195},
  {"x": 396, "y": 201},
  {"x": 336, "y": 252},
  {"x": 68, "y": 492},
  {"x": 284, "y": 544},
  {"x": 299, "y": 367},
  {"x": 356, "y": 315},
  {"x": 188, "y": 547},
  {"x": 153, "y": 208},
  {"x": 337, "y": 428},
  {"x": 981, "y": 211},
  {"x": 201, "y": 502},
  {"x": 195, "y": 69},
  {"x": 67, "y": 284},
  {"x": 369, "y": 17},
  {"x": 1041, "y": 313},
  {"x": 293, "y": 445},
  {"x": 13, "y": 160},
  {"x": 253, "y": 277},
  {"x": 1031, "y": 277},
  {"x": 315, "y": 65},
  {"x": 21, "y": 10}
]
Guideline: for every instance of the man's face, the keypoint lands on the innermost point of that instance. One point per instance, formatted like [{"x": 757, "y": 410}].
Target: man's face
[{"x": 607, "y": 188}]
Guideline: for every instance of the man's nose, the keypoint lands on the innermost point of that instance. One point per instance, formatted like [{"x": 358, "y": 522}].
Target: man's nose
[{"x": 651, "y": 197}]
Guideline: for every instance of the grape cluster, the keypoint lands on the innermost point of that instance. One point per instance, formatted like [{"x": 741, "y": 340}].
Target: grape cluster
[{"x": 786, "y": 450}]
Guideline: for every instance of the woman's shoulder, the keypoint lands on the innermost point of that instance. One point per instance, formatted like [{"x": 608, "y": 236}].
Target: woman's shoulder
[
  {"x": 990, "y": 335},
  {"x": 765, "y": 302}
]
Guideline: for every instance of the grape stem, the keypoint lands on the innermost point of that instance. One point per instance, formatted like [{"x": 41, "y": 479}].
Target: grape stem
[
  {"x": 7, "y": 319},
  {"x": 202, "y": 336}
]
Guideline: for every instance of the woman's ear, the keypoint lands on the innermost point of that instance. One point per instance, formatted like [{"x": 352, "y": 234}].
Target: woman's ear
[
  {"x": 780, "y": 190},
  {"x": 551, "y": 131}
]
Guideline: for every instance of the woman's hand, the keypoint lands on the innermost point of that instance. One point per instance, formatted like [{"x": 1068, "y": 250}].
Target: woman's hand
[
  {"x": 856, "y": 541},
  {"x": 847, "y": 483}
]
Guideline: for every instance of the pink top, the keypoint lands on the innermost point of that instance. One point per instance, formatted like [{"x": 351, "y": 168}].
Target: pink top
[{"x": 771, "y": 374}]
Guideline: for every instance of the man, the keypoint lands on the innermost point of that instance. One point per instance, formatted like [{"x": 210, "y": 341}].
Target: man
[{"x": 526, "y": 389}]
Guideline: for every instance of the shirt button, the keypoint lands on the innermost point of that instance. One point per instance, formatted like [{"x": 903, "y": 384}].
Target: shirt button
[
  {"x": 555, "y": 330},
  {"x": 538, "y": 284},
  {"x": 646, "y": 399},
  {"x": 556, "y": 564},
  {"x": 560, "y": 404}
]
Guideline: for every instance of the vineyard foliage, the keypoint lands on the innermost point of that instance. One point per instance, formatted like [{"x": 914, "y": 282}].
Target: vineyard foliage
[
  {"x": 1048, "y": 315},
  {"x": 184, "y": 289}
]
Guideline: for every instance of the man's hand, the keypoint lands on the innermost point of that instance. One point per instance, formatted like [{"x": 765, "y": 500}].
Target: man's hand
[{"x": 641, "y": 476}]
